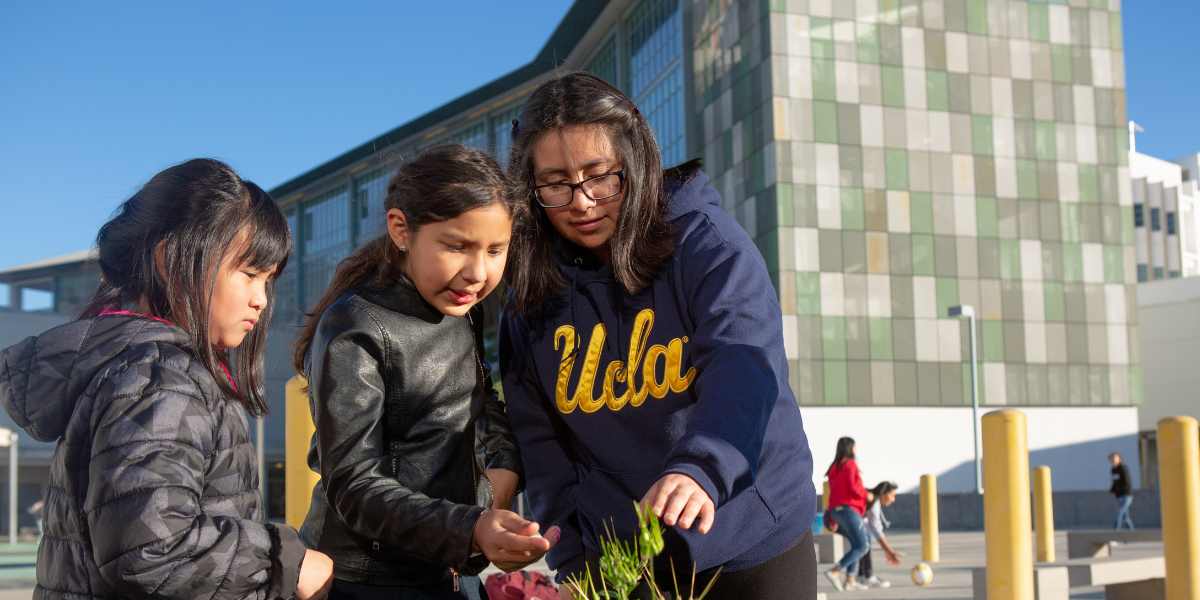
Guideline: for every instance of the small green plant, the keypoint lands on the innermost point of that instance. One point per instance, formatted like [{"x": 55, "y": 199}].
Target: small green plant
[{"x": 624, "y": 564}]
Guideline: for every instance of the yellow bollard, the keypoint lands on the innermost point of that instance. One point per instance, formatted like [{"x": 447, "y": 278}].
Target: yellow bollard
[
  {"x": 1043, "y": 514},
  {"x": 930, "y": 545},
  {"x": 825, "y": 503},
  {"x": 299, "y": 479},
  {"x": 1006, "y": 519},
  {"x": 1179, "y": 488}
]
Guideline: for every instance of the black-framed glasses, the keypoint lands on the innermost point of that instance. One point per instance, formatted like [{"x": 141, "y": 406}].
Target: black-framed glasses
[{"x": 597, "y": 187}]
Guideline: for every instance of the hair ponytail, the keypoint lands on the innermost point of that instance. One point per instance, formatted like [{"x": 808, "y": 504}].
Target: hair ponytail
[{"x": 440, "y": 184}]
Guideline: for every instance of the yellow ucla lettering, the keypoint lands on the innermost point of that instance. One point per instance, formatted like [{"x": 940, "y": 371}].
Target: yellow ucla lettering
[
  {"x": 583, "y": 392},
  {"x": 640, "y": 358}
]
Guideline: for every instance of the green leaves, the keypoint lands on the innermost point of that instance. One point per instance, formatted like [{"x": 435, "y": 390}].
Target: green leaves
[{"x": 624, "y": 564}]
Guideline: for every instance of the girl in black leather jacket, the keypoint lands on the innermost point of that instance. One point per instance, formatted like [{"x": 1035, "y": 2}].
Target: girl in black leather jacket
[{"x": 418, "y": 464}]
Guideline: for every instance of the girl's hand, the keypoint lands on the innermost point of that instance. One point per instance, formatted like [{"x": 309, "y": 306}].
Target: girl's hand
[
  {"x": 678, "y": 499},
  {"x": 504, "y": 487},
  {"x": 507, "y": 540},
  {"x": 316, "y": 576},
  {"x": 893, "y": 557}
]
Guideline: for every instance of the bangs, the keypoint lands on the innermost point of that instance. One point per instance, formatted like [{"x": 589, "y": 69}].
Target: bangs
[{"x": 270, "y": 241}]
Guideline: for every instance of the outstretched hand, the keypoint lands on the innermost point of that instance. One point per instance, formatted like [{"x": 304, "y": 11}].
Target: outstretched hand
[
  {"x": 508, "y": 541},
  {"x": 678, "y": 499}
]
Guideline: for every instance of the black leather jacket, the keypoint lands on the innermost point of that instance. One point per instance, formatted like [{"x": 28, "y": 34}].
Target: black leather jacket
[{"x": 406, "y": 422}]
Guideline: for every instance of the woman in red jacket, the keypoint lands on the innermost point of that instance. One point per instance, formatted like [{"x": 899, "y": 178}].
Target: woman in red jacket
[{"x": 847, "y": 503}]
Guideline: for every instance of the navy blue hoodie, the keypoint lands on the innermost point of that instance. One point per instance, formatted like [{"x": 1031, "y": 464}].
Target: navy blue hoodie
[{"x": 707, "y": 397}]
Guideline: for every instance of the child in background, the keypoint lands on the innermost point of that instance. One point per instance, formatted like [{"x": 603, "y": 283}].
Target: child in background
[
  {"x": 401, "y": 397},
  {"x": 154, "y": 485},
  {"x": 881, "y": 495}
]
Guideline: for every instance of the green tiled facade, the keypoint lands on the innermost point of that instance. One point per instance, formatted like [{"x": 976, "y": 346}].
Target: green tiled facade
[{"x": 893, "y": 158}]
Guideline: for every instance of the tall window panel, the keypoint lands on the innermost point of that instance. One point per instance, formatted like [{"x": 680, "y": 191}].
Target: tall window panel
[
  {"x": 370, "y": 191},
  {"x": 655, "y": 45},
  {"x": 285, "y": 286},
  {"x": 502, "y": 135},
  {"x": 326, "y": 231},
  {"x": 604, "y": 63},
  {"x": 474, "y": 136},
  {"x": 655, "y": 41}
]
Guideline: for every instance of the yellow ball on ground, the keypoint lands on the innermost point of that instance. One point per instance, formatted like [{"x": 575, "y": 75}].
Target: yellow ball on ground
[{"x": 922, "y": 574}]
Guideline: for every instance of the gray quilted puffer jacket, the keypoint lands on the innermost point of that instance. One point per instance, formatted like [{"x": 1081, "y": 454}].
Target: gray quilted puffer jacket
[{"x": 154, "y": 485}]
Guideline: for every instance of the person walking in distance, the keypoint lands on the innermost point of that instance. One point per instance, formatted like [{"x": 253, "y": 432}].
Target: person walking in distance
[
  {"x": 847, "y": 504},
  {"x": 1122, "y": 490}
]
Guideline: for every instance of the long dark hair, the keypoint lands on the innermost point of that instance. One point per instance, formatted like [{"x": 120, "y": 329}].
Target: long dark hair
[
  {"x": 440, "y": 184},
  {"x": 879, "y": 490},
  {"x": 845, "y": 449},
  {"x": 196, "y": 212},
  {"x": 641, "y": 240}
]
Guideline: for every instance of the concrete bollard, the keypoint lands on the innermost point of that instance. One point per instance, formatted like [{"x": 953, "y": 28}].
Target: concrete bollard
[
  {"x": 1179, "y": 484},
  {"x": 1006, "y": 518},
  {"x": 298, "y": 478},
  {"x": 930, "y": 545},
  {"x": 1043, "y": 514}
]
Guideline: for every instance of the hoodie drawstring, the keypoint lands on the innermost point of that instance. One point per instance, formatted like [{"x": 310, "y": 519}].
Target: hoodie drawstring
[{"x": 574, "y": 315}]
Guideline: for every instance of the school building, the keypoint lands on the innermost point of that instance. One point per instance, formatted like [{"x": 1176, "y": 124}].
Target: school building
[{"x": 891, "y": 159}]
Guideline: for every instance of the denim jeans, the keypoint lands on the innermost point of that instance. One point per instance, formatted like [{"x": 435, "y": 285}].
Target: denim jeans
[
  {"x": 850, "y": 525},
  {"x": 1123, "y": 503}
]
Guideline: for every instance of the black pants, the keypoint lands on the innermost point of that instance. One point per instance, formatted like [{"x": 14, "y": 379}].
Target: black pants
[
  {"x": 865, "y": 568},
  {"x": 790, "y": 576}
]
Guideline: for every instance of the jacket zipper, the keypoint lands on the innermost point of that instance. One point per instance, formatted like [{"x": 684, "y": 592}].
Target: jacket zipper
[
  {"x": 479, "y": 364},
  {"x": 454, "y": 575}
]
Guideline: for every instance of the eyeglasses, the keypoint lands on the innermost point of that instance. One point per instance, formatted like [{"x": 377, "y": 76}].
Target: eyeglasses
[{"x": 598, "y": 187}]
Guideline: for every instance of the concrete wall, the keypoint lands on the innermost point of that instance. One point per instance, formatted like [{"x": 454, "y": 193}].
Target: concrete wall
[
  {"x": 902, "y": 443},
  {"x": 1072, "y": 510},
  {"x": 1169, "y": 311}
]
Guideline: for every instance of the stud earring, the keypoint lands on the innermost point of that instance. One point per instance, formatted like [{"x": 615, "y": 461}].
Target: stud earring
[{"x": 403, "y": 248}]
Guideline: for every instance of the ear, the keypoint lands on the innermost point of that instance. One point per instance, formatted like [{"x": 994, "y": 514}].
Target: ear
[
  {"x": 397, "y": 227},
  {"x": 160, "y": 253}
]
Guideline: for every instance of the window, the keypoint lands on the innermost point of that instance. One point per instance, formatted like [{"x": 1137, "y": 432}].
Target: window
[
  {"x": 325, "y": 231},
  {"x": 285, "y": 312},
  {"x": 1155, "y": 219},
  {"x": 1187, "y": 174},
  {"x": 1158, "y": 273},
  {"x": 370, "y": 190},
  {"x": 1143, "y": 275},
  {"x": 1139, "y": 217},
  {"x": 1171, "y": 223},
  {"x": 502, "y": 128},
  {"x": 604, "y": 63},
  {"x": 656, "y": 73},
  {"x": 1174, "y": 274}
]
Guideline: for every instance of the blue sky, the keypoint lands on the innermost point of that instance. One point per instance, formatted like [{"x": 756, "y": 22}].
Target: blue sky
[{"x": 97, "y": 97}]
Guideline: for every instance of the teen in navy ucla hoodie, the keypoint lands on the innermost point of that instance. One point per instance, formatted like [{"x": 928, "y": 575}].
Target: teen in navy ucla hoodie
[{"x": 610, "y": 390}]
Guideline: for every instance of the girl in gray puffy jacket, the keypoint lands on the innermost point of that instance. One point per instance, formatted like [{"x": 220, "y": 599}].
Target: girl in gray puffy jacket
[{"x": 154, "y": 485}]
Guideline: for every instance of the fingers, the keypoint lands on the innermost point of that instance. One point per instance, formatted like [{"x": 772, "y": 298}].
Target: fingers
[
  {"x": 515, "y": 523},
  {"x": 656, "y": 498},
  {"x": 676, "y": 503},
  {"x": 708, "y": 514}
]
